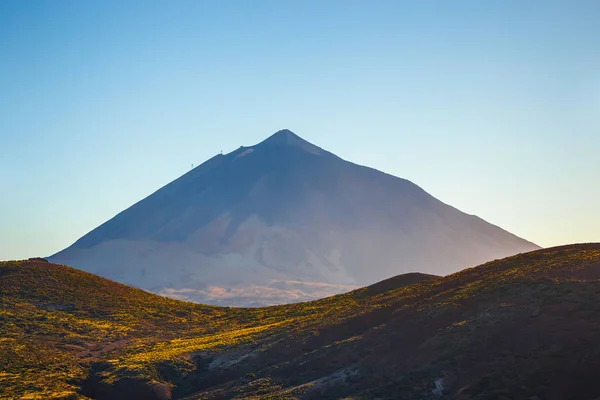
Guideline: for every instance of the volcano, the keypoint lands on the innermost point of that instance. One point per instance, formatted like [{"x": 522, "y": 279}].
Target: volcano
[{"x": 283, "y": 221}]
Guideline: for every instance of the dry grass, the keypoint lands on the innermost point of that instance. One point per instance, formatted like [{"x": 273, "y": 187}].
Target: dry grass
[{"x": 57, "y": 322}]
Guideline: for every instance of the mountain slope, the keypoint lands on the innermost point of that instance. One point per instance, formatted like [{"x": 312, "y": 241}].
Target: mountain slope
[
  {"x": 57, "y": 324},
  {"x": 523, "y": 327},
  {"x": 283, "y": 221}
]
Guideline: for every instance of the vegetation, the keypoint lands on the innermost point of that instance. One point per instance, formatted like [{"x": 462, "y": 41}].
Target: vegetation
[{"x": 524, "y": 326}]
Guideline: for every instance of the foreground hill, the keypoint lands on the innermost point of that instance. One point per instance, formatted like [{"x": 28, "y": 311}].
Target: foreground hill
[
  {"x": 523, "y": 327},
  {"x": 283, "y": 221}
]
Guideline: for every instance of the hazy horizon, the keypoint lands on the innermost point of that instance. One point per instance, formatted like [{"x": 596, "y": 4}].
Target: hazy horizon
[{"x": 493, "y": 108}]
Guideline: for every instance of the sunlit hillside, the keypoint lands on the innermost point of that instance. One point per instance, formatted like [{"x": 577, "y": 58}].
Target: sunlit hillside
[{"x": 523, "y": 327}]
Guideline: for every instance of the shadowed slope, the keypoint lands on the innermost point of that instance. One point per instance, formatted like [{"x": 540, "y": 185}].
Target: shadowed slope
[{"x": 523, "y": 327}]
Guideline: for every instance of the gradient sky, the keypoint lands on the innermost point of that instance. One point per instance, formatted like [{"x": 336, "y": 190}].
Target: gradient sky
[{"x": 490, "y": 106}]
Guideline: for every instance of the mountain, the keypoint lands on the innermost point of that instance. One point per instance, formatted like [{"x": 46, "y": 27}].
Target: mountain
[
  {"x": 524, "y": 327},
  {"x": 283, "y": 221}
]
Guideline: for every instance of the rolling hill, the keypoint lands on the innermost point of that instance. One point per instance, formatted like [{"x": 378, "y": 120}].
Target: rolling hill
[
  {"x": 527, "y": 326},
  {"x": 283, "y": 221}
]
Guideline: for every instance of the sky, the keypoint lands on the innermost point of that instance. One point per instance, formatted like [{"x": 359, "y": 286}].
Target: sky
[{"x": 490, "y": 106}]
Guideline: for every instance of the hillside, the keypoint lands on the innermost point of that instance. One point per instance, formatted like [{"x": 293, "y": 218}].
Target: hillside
[
  {"x": 283, "y": 221},
  {"x": 56, "y": 322},
  {"x": 523, "y": 327}
]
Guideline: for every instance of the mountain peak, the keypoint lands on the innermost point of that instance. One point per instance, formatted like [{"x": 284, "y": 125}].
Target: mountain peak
[
  {"x": 285, "y": 137},
  {"x": 284, "y": 133}
]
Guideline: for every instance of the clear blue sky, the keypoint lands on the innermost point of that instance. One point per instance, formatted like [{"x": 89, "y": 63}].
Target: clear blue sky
[{"x": 491, "y": 106}]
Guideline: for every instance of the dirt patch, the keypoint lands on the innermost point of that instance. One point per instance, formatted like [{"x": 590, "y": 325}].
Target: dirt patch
[{"x": 95, "y": 350}]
